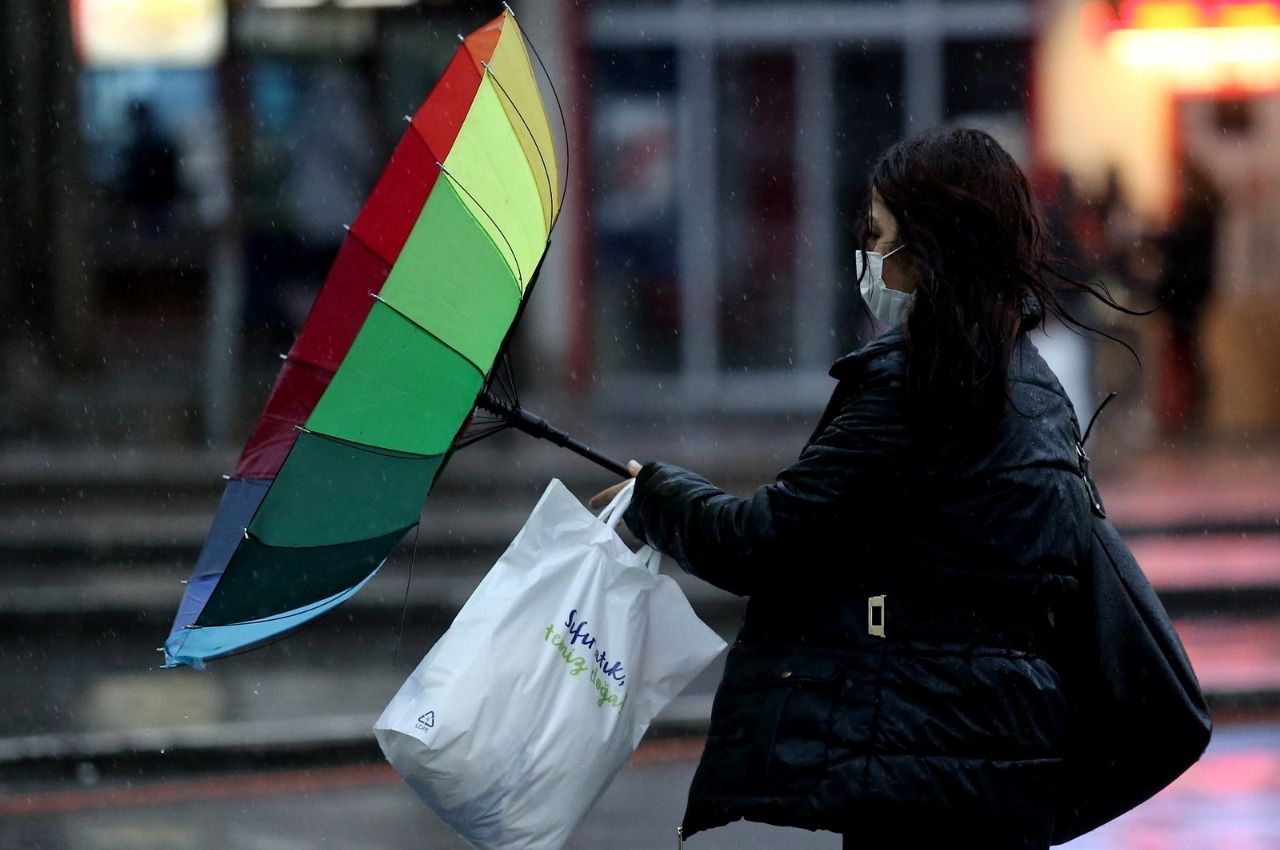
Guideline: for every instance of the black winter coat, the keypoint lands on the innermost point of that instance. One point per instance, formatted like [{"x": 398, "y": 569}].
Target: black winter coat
[{"x": 948, "y": 727}]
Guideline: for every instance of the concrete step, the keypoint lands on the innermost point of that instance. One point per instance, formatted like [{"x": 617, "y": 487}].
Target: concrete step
[
  {"x": 85, "y": 703},
  {"x": 426, "y": 585},
  {"x": 124, "y": 532},
  {"x": 1193, "y": 574},
  {"x": 1236, "y": 659},
  {"x": 94, "y": 499},
  {"x": 156, "y": 505},
  {"x": 751, "y": 450},
  {"x": 1213, "y": 573}
]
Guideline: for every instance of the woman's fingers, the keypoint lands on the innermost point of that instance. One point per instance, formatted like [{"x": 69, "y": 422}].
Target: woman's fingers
[
  {"x": 604, "y": 497},
  {"x": 599, "y": 500}
]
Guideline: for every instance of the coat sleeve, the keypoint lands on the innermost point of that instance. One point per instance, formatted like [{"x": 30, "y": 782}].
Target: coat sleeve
[{"x": 733, "y": 542}]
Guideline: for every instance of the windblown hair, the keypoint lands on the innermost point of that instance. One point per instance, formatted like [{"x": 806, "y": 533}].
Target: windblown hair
[{"x": 968, "y": 224}]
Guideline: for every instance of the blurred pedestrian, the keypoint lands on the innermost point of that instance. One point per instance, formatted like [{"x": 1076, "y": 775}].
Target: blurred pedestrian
[
  {"x": 334, "y": 167},
  {"x": 1188, "y": 259},
  {"x": 1067, "y": 351},
  {"x": 322, "y": 187},
  {"x": 149, "y": 179},
  {"x": 900, "y": 677}
]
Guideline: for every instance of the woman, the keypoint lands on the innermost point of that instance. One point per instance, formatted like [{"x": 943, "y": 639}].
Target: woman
[{"x": 897, "y": 678}]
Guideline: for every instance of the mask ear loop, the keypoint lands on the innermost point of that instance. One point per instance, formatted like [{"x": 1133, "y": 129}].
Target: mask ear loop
[{"x": 862, "y": 267}]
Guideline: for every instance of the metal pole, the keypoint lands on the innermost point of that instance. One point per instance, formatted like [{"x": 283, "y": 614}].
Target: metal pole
[
  {"x": 816, "y": 263},
  {"x": 225, "y": 302},
  {"x": 925, "y": 76},
  {"x": 699, "y": 260},
  {"x": 222, "y": 339}
]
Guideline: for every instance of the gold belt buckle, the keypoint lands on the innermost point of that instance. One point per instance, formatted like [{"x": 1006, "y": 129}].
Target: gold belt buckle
[{"x": 875, "y": 616}]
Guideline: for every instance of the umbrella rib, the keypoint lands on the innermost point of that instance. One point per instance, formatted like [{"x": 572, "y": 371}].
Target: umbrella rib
[
  {"x": 364, "y": 243},
  {"x": 393, "y": 308},
  {"x": 368, "y": 447},
  {"x": 541, "y": 159},
  {"x": 404, "y": 608},
  {"x": 306, "y": 609},
  {"x": 481, "y": 434},
  {"x": 298, "y": 361},
  {"x": 507, "y": 377},
  {"x": 564, "y": 125},
  {"x": 293, "y": 612},
  {"x": 502, "y": 380},
  {"x": 514, "y": 258}
]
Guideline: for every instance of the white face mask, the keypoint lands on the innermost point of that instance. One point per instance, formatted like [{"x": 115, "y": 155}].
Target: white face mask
[{"x": 888, "y": 305}]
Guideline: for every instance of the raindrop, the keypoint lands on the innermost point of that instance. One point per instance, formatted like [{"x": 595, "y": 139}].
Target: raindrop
[{"x": 86, "y": 773}]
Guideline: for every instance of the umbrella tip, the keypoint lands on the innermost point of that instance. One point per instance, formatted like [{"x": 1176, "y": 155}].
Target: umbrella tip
[
  {"x": 461, "y": 39},
  {"x": 226, "y": 477},
  {"x": 510, "y": 11},
  {"x": 408, "y": 119},
  {"x": 284, "y": 356}
]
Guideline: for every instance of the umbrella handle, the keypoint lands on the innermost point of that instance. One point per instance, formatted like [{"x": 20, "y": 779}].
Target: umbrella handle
[{"x": 536, "y": 426}]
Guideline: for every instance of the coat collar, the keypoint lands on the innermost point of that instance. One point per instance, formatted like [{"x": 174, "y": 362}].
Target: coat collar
[
  {"x": 1032, "y": 313},
  {"x": 887, "y": 341}
]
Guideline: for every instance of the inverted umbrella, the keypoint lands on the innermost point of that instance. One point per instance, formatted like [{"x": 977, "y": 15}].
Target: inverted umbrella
[{"x": 398, "y": 350}]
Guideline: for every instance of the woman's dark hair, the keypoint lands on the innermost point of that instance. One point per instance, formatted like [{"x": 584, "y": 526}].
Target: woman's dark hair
[{"x": 968, "y": 224}]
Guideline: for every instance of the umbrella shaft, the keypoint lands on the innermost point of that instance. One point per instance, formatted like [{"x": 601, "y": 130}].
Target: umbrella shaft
[{"x": 536, "y": 426}]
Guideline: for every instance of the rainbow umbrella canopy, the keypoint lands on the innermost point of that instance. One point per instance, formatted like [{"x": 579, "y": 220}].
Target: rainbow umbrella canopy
[{"x": 399, "y": 346}]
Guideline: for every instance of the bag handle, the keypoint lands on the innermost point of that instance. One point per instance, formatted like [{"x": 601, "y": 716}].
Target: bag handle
[{"x": 612, "y": 513}]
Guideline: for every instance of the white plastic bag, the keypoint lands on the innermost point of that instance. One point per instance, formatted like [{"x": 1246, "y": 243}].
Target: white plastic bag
[{"x": 522, "y": 713}]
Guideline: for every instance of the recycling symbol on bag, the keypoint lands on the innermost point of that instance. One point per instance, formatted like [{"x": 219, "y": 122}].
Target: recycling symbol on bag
[{"x": 427, "y": 720}]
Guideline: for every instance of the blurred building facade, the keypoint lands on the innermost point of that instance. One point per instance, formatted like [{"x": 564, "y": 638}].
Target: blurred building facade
[
  {"x": 1147, "y": 95},
  {"x": 718, "y": 151},
  {"x": 731, "y": 147}
]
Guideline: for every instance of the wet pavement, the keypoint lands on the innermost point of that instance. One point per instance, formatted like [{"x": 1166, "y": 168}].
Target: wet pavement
[{"x": 1230, "y": 800}]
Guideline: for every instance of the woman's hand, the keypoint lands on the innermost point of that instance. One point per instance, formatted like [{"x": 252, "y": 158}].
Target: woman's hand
[{"x": 599, "y": 500}]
